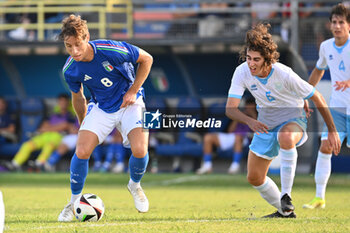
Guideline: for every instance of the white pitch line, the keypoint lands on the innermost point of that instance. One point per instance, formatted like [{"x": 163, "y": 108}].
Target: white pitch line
[
  {"x": 180, "y": 180},
  {"x": 88, "y": 225},
  {"x": 174, "y": 181}
]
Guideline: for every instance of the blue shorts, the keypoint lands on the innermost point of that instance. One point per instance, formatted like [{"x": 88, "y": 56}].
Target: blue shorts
[
  {"x": 266, "y": 145},
  {"x": 342, "y": 123}
]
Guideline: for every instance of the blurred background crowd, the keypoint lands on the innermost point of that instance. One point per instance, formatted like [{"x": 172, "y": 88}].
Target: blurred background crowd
[{"x": 195, "y": 47}]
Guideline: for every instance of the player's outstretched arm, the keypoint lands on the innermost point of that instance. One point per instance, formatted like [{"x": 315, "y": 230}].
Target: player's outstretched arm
[
  {"x": 315, "y": 76},
  {"x": 234, "y": 113},
  {"x": 145, "y": 61},
  {"x": 79, "y": 104},
  {"x": 333, "y": 137}
]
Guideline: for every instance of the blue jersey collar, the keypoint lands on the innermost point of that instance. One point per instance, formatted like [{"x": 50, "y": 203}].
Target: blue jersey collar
[
  {"x": 264, "y": 80},
  {"x": 93, "y": 46},
  {"x": 340, "y": 49}
]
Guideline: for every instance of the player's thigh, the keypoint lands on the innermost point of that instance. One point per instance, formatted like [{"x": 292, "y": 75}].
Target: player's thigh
[
  {"x": 98, "y": 122},
  {"x": 257, "y": 169},
  {"x": 290, "y": 134},
  {"x": 130, "y": 119}
]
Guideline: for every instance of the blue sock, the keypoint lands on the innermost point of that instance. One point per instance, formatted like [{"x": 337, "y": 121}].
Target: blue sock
[
  {"x": 54, "y": 158},
  {"x": 78, "y": 172},
  {"x": 207, "y": 158},
  {"x": 237, "y": 156},
  {"x": 119, "y": 153},
  {"x": 137, "y": 167}
]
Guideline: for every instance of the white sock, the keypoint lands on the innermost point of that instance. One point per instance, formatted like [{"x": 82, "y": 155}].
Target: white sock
[
  {"x": 270, "y": 192},
  {"x": 288, "y": 165},
  {"x": 74, "y": 197},
  {"x": 134, "y": 184},
  {"x": 2, "y": 213},
  {"x": 322, "y": 173}
]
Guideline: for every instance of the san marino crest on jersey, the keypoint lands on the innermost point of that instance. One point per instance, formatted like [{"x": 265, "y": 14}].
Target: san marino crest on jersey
[{"x": 107, "y": 66}]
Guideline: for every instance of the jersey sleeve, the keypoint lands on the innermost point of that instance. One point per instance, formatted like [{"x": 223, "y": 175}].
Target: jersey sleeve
[
  {"x": 125, "y": 52},
  {"x": 322, "y": 62},
  {"x": 237, "y": 86},
  {"x": 73, "y": 86},
  {"x": 299, "y": 86}
]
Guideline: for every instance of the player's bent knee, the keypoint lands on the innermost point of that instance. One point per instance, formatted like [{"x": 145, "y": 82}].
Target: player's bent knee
[
  {"x": 83, "y": 152},
  {"x": 286, "y": 140},
  {"x": 139, "y": 153},
  {"x": 326, "y": 148},
  {"x": 139, "y": 150},
  {"x": 255, "y": 179}
]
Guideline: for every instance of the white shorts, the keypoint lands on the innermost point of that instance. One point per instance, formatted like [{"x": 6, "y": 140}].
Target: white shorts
[
  {"x": 125, "y": 120},
  {"x": 70, "y": 141},
  {"x": 226, "y": 140}
]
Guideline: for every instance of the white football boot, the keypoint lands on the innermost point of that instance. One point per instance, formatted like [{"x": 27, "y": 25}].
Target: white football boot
[
  {"x": 140, "y": 199},
  {"x": 67, "y": 214}
]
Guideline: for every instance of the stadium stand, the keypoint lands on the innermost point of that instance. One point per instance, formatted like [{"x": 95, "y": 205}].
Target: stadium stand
[
  {"x": 31, "y": 115},
  {"x": 186, "y": 66}
]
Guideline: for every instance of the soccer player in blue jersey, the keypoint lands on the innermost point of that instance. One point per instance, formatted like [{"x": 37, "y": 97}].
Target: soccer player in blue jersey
[
  {"x": 106, "y": 68},
  {"x": 281, "y": 125},
  {"x": 333, "y": 54}
]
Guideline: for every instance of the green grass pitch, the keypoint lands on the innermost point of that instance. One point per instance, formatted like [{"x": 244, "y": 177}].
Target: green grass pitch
[{"x": 178, "y": 203}]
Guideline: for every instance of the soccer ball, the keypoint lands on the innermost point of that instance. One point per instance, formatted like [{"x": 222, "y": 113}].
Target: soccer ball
[{"x": 89, "y": 207}]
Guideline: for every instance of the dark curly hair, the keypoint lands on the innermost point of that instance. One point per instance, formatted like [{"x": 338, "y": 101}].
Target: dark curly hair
[
  {"x": 340, "y": 10},
  {"x": 73, "y": 25},
  {"x": 260, "y": 40}
]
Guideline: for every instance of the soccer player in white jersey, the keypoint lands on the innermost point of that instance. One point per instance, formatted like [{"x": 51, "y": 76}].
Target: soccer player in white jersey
[
  {"x": 281, "y": 125},
  {"x": 333, "y": 54},
  {"x": 106, "y": 68}
]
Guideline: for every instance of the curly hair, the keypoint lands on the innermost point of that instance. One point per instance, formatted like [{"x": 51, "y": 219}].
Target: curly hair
[
  {"x": 340, "y": 10},
  {"x": 73, "y": 25},
  {"x": 260, "y": 40}
]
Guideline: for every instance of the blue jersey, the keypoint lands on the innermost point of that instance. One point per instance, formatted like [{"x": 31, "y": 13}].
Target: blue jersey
[{"x": 108, "y": 76}]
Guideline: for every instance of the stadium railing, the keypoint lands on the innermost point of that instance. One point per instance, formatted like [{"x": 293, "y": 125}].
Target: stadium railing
[{"x": 104, "y": 9}]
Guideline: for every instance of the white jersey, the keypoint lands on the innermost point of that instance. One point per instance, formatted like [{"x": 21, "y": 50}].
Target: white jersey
[
  {"x": 337, "y": 59},
  {"x": 279, "y": 96}
]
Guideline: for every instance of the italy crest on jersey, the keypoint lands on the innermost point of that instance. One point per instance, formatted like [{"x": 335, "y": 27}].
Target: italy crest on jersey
[{"x": 107, "y": 66}]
